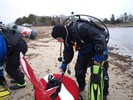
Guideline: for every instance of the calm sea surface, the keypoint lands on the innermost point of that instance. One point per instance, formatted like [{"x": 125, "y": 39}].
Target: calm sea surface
[{"x": 122, "y": 38}]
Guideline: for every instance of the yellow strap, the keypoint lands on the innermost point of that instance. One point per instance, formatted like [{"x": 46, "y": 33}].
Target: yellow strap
[
  {"x": 103, "y": 62},
  {"x": 22, "y": 84}
]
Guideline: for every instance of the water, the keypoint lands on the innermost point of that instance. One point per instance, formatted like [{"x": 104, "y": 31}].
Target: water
[{"x": 122, "y": 38}]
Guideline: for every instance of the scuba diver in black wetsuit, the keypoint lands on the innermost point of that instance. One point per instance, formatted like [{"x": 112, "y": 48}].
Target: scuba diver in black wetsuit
[{"x": 90, "y": 42}]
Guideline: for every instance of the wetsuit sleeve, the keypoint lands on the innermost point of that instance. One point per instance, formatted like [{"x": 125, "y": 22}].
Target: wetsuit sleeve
[{"x": 68, "y": 54}]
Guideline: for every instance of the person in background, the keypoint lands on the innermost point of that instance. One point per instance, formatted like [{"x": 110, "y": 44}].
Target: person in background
[
  {"x": 11, "y": 44},
  {"x": 90, "y": 42}
]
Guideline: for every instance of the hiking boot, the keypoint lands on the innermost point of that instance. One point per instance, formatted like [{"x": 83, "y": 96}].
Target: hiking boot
[
  {"x": 3, "y": 81},
  {"x": 17, "y": 86},
  {"x": 81, "y": 89}
]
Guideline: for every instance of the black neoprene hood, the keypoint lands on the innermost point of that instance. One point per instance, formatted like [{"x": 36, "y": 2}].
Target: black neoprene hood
[{"x": 59, "y": 31}]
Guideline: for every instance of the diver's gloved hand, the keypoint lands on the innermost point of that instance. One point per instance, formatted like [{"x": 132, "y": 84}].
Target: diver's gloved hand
[{"x": 63, "y": 68}]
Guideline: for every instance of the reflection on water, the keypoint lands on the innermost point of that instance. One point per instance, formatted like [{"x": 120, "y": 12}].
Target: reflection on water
[{"x": 122, "y": 38}]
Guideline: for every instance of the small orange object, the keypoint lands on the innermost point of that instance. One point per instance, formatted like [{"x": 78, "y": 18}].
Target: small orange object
[{"x": 75, "y": 46}]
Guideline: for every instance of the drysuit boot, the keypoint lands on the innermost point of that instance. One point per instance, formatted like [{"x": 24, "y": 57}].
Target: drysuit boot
[
  {"x": 17, "y": 86},
  {"x": 14, "y": 81}
]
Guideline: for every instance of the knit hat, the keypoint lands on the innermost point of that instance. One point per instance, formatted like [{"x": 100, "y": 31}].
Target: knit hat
[{"x": 59, "y": 31}]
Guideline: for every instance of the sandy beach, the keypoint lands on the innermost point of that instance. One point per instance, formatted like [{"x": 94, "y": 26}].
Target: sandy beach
[{"x": 43, "y": 53}]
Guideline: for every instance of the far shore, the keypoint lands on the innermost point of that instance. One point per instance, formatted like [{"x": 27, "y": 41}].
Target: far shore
[{"x": 119, "y": 25}]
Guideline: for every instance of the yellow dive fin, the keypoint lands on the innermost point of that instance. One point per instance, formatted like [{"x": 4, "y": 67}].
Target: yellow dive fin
[{"x": 4, "y": 93}]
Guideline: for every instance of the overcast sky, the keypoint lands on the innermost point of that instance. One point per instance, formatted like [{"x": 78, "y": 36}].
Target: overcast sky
[{"x": 10, "y": 10}]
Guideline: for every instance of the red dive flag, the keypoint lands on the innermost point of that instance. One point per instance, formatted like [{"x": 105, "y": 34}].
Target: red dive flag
[{"x": 33, "y": 79}]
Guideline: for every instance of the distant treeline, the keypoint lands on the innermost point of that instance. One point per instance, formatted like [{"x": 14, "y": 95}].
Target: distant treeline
[{"x": 49, "y": 21}]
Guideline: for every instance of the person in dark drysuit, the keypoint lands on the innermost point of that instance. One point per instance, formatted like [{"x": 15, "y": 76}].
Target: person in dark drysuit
[
  {"x": 90, "y": 42},
  {"x": 11, "y": 44}
]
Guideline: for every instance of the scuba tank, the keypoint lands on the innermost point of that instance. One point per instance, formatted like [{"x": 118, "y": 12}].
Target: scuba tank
[{"x": 24, "y": 31}]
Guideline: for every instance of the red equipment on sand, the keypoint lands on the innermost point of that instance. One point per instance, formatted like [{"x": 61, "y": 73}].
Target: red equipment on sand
[{"x": 50, "y": 87}]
